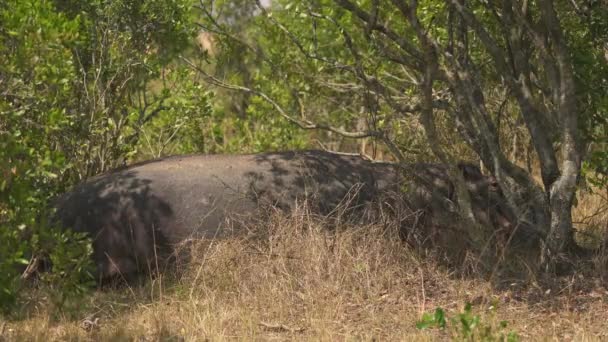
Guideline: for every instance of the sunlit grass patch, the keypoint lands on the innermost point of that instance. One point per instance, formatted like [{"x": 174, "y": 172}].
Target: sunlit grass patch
[{"x": 297, "y": 278}]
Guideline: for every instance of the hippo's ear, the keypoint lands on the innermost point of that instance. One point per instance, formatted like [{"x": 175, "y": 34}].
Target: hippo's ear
[
  {"x": 470, "y": 171},
  {"x": 493, "y": 183}
]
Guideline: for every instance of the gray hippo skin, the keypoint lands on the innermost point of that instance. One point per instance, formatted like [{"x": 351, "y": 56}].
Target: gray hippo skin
[{"x": 161, "y": 203}]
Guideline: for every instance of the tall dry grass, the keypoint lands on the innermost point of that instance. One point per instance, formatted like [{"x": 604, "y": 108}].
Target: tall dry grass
[{"x": 301, "y": 277}]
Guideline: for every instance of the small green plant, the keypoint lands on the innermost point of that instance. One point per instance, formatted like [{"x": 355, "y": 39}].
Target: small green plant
[
  {"x": 71, "y": 274},
  {"x": 434, "y": 320},
  {"x": 62, "y": 266},
  {"x": 467, "y": 326}
]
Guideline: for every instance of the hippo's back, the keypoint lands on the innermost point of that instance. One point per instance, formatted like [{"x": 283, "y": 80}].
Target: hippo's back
[{"x": 161, "y": 202}]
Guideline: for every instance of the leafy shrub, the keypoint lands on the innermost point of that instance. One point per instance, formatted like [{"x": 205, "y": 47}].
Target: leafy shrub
[
  {"x": 74, "y": 94},
  {"x": 467, "y": 326},
  {"x": 71, "y": 273}
]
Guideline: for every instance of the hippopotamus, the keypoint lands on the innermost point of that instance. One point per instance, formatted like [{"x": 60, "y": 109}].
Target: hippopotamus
[{"x": 135, "y": 213}]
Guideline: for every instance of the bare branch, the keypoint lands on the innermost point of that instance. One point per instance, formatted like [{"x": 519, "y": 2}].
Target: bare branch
[
  {"x": 220, "y": 30},
  {"x": 532, "y": 115},
  {"x": 304, "y": 124},
  {"x": 297, "y": 42},
  {"x": 372, "y": 22}
]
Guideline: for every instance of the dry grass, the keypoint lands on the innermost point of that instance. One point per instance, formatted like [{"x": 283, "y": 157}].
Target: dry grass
[
  {"x": 590, "y": 216},
  {"x": 295, "y": 280}
]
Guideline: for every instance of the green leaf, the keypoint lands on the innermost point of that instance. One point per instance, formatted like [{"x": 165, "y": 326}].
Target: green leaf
[{"x": 439, "y": 317}]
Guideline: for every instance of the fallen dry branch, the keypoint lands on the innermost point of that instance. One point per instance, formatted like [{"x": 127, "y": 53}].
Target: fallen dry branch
[{"x": 281, "y": 328}]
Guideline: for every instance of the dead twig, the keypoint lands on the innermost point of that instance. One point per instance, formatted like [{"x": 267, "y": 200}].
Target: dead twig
[
  {"x": 32, "y": 267},
  {"x": 281, "y": 328},
  {"x": 89, "y": 324}
]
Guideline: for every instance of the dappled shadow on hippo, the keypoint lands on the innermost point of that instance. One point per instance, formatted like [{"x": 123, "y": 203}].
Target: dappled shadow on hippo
[
  {"x": 136, "y": 216},
  {"x": 326, "y": 180},
  {"x": 164, "y": 202},
  {"x": 122, "y": 215}
]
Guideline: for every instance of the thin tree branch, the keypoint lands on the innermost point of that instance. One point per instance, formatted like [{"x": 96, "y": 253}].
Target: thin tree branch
[
  {"x": 303, "y": 124},
  {"x": 531, "y": 114},
  {"x": 372, "y": 22}
]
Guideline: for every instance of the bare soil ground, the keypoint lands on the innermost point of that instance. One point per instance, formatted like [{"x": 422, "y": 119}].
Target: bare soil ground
[{"x": 299, "y": 281}]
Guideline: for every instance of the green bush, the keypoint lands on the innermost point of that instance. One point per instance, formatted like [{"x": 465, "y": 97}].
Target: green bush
[
  {"x": 466, "y": 326},
  {"x": 76, "y": 89}
]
